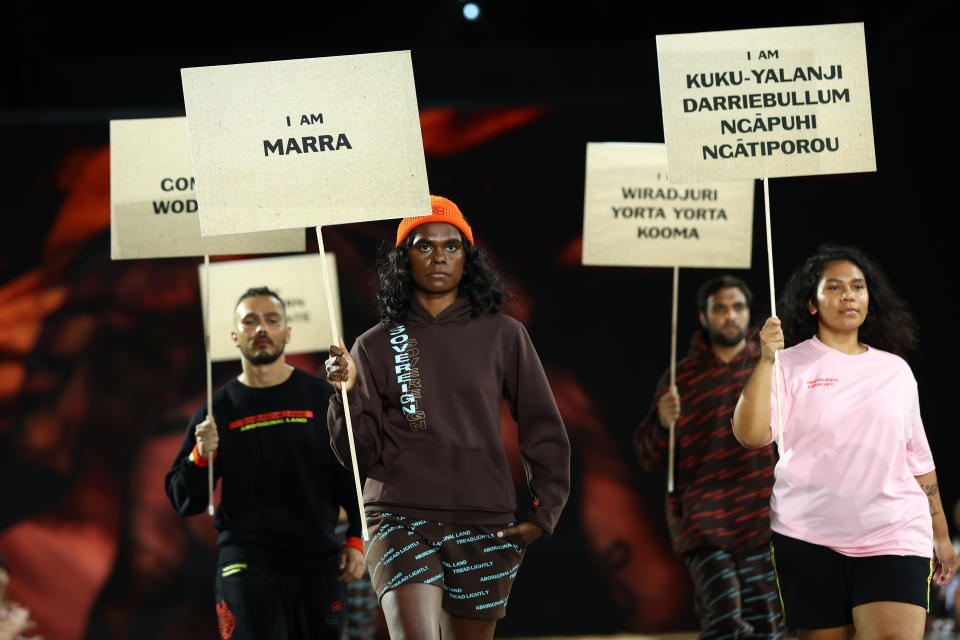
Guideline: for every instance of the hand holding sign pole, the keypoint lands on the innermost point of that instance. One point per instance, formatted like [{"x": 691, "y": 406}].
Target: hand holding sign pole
[
  {"x": 305, "y": 143},
  {"x": 773, "y": 311},
  {"x": 294, "y": 278},
  {"x": 632, "y": 216},
  {"x": 343, "y": 395},
  {"x": 762, "y": 103},
  {"x": 153, "y": 210}
]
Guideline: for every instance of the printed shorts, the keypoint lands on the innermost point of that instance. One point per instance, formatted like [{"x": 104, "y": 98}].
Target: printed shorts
[{"x": 474, "y": 568}]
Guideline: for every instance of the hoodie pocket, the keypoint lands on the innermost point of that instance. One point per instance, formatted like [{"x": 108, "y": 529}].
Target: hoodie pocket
[{"x": 448, "y": 479}]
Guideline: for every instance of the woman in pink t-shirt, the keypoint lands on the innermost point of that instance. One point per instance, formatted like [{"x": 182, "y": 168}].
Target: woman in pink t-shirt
[{"x": 855, "y": 510}]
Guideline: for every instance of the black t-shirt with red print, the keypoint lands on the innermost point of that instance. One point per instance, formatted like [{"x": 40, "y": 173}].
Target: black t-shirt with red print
[{"x": 281, "y": 485}]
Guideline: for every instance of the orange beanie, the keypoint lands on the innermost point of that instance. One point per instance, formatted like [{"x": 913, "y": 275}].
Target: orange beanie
[{"x": 443, "y": 210}]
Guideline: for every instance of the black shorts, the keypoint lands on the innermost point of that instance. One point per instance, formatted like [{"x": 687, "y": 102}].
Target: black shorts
[
  {"x": 265, "y": 593},
  {"x": 819, "y": 587},
  {"x": 474, "y": 568}
]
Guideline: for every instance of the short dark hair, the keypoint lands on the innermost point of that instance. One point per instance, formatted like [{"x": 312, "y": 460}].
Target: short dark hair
[
  {"x": 254, "y": 292},
  {"x": 725, "y": 281}
]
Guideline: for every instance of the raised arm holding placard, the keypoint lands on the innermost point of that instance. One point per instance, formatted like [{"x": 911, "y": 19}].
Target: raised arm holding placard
[
  {"x": 282, "y": 487},
  {"x": 635, "y": 216},
  {"x": 718, "y": 511},
  {"x": 426, "y": 387},
  {"x": 858, "y": 526}
]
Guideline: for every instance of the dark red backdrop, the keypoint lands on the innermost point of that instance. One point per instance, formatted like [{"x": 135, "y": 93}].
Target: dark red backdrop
[{"x": 101, "y": 362}]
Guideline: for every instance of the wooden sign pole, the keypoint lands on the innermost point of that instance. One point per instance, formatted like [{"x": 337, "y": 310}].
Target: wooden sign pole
[
  {"x": 343, "y": 389},
  {"x": 773, "y": 312},
  {"x": 206, "y": 337},
  {"x": 673, "y": 378}
]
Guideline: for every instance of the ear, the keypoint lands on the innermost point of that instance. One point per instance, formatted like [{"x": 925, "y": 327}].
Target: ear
[
  {"x": 703, "y": 319},
  {"x": 286, "y": 334},
  {"x": 235, "y": 338},
  {"x": 811, "y": 307}
]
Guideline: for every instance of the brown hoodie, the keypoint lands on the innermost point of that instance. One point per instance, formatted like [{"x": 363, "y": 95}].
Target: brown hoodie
[{"x": 426, "y": 419}]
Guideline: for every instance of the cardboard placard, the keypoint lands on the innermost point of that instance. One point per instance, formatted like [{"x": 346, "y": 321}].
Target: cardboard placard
[
  {"x": 761, "y": 103},
  {"x": 632, "y": 216},
  {"x": 296, "y": 279},
  {"x": 303, "y": 143},
  {"x": 153, "y": 207}
]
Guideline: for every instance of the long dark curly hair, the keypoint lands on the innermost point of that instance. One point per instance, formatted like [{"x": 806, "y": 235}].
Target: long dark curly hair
[
  {"x": 889, "y": 325},
  {"x": 480, "y": 283}
]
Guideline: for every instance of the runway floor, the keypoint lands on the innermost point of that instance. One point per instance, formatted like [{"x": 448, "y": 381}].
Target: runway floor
[{"x": 692, "y": 635}]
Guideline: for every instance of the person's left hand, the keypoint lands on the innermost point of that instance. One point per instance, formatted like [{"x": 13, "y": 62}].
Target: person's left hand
[
  {"x": 944, "y": 560},
  {"x": 527, "y": 531},
  {"x": 352, "y": 563}
]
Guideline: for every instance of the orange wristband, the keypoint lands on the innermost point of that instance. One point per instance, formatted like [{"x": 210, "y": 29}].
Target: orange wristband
[
  {"x": 199, "y": 460},
  {"x": 354, "y": 542}
]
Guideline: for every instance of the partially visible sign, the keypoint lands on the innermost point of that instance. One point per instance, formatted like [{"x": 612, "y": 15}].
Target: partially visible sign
[
  {"x": 296, "y": 279},
  {"x": 756, "y": 103},
  {"x": 303, "y": 143},
  {"x": 153, "y": 205},
  {"x": 632, "y": 216}
]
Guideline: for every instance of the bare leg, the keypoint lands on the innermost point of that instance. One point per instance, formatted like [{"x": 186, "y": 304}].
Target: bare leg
[
  {"x": 833, "y": 633},
  {"x": 467, "y": 628},
  {"x": 413, "y": 612},
  {"x": 899, "y": 620}
]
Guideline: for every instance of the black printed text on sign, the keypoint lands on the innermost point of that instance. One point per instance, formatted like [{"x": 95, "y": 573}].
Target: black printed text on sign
[
  {"x": 632, "y": 216},
  {"x": 758, "y": 103},
  {"x": 302, "y": 143},
  {"x": 153, "y": 203},
  {"x": 296, "y": 279}
]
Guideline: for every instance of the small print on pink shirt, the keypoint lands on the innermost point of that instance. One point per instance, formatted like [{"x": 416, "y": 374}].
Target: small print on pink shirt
[{"x": 855, "y": 442}]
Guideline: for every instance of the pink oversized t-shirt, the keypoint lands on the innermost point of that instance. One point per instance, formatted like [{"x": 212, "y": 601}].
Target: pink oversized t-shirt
[{"x": 853, "y": 442}]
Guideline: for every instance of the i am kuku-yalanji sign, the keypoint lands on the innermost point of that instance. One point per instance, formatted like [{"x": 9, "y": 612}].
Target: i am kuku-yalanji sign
[{"x": 762, "y": 103}]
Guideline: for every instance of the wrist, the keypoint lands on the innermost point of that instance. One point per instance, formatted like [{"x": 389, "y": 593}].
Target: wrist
[
  {"x": 355, "y": 543},
  {"x": 940, "y": 530},
  {"x": 199, "y": 460}
]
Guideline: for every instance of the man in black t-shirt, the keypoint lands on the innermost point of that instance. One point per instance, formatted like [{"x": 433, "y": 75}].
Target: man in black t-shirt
[{"x": 281, "y": 570}]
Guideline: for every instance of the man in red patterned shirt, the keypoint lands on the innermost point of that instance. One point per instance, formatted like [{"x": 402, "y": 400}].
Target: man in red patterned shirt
[{"x": 718, "y": 514}]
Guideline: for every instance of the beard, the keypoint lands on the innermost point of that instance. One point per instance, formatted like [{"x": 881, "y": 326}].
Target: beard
[
  {"x": 720, "y": 339},
  {"x": 262, "y": 356}
]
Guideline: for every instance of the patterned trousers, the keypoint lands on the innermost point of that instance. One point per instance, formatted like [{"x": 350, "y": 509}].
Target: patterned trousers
[
  {"x": 362, "y": 604},
  {"x": 736, "y": 594}
]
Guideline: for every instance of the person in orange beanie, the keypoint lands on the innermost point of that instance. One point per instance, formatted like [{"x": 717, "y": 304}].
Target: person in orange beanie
[{"x": 425, "y": 387}]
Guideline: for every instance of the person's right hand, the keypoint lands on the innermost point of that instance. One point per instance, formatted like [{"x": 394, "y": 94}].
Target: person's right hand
[
  {"x": 207, "y": 437},
  {"x": 668, "y": 408},
  {"x": 341, "y": 372},
  {"x": 771, "y": 338}
]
